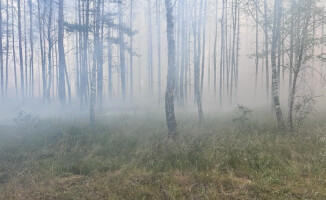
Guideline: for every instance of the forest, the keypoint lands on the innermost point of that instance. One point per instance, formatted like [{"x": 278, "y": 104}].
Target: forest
[{"x": 162, "y": 99}]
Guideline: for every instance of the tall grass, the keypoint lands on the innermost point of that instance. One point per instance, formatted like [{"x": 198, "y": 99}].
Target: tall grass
[{"x": 130, "y": 157}]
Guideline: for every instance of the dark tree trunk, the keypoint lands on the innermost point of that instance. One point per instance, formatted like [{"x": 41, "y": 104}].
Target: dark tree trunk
[
  {"x": 42, "y": 49},
  {"x": 21, "y": 62},
  {"x": 1, "y": 54},
  {"x": 122, "y": 53},
  {"x": 50, "y": 68},
  {"x": 62, "y": 59},
  {"x": 215, "y": 46},
  {"x": 158, "y": 24},
  {"x": 7, "y": 47},
  {"x": 150, "y": 50},
  {"x": 131, "y": 52},
  {"x": 13, "y": 46},
  {"x": 169, "y": 95},
  {"x": 266, "y": 49},
  {"x": 31, "y": 38},
  {"x": 96, "y": 55}
]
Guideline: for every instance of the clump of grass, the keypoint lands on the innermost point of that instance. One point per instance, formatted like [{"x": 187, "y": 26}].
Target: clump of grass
[{"x": 129, "y": 157}]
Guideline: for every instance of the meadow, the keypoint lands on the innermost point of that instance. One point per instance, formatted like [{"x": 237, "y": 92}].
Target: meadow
[{"x": 129, "y": 156}]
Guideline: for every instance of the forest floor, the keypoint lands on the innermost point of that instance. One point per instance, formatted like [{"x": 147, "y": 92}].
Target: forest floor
[{"x": 128, "y": 156}]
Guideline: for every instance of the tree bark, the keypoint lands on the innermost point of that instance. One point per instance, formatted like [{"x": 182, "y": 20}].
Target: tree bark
[
  {"x": 169, "y": 95},
  {"x": 122, "y": 53},
  {"x": 95, "y": 61},
  {"x": 62, "y": 59},
  {"x": 21, "y": 62},
  {"x": 275, "y": 42}
]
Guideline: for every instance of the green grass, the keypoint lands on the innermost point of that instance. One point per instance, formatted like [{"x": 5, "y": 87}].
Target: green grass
[{"x": 130, "y": 157}]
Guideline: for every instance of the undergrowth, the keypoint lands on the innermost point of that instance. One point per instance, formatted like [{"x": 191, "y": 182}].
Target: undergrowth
[{"x": 130, "y": 157}]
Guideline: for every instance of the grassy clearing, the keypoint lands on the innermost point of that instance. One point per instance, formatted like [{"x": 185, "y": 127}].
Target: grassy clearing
[{"x": 129, "y": 157}]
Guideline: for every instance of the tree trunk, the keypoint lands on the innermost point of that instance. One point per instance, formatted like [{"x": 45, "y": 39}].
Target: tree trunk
[
  {"x": 95, "y": 61},
  {"x": 62, "y": 59},
  {"x": 31, "y": 38},
  {"x": 122, "y": 53},
  {"x": 158, "y": 24},
  {"x": 150, "y": 49},
  {"x": 275, "y": 42},
  {"x": 266, "y": 49},
  {"x": 169, "y": 95},
  {"x": 7, "y": 47},
  {"x": 13, "y": 45},
  {"x": 22, "y": 83},
  {"x": 215, "y": 46},
  {"x": 257, "y": 50},
  {"x": 100, "y": 62},
  {"x": 203, "y": 57},
  {"x": 302, "y": 39},
  {"x": 131, "y": 82},
  {"x": 42, "y": 49},
  {"x": 50, "y": 68}
]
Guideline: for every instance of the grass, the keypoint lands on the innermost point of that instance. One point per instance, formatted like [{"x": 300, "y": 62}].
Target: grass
[{"x": 130, "y": 157}]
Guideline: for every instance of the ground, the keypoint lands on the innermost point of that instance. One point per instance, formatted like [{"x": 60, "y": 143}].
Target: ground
[{"x": 128, "y": 156}]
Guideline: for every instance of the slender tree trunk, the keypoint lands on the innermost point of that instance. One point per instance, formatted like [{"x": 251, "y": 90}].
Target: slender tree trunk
[
  {"x": 84, "y": 71},
  {"x": 275, "y": 42},
  {"x": 222, "y": 53},
  {"x": 62, "y": 59},
  {"x": 215, "y": 46},
  {"x": 131, "y": 81},
  {"x": 158, "y": 24},
  {"x": 50, "y": 68},
  {"x": 1, "y": 55},
  {"x": 237, "y": 53},
  {"x": 122, "y": 53},
  {"x": 13, "y": 46},
  {"x": 150, "y": 49},
  {"x": 183, "y": 52},
  {"x": 302, "y": 39},
  {"x": 197, "y": 67},
  {"x": 291, "y": 51},
  {"x": 266, "y": 49},
  {"x": 21, "y": 62},
  {"x": 42, "y": 50},
  {"x": 203, "y": 57},
  {"x": 96, "y": 55},
  {"x": 7, "y": 47},
  {"x": 25, "y": 51},
  {"x": 257, "y": 47},
  {"x": 169, "y": 95},
  {"x": 110, "y": 86},
  {"x": 233, "y": 64},
  {"x": 31, "y": 38}
]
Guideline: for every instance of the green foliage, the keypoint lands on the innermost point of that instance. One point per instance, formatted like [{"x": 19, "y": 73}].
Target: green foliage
[
  {"x": 243, "y": 113},
  {"x": 304, "y": 107},
  {"x": 25, "y": 118}
]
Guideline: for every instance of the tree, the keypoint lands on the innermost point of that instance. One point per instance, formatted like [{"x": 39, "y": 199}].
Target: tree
[
  {"x": 1, "y": 54},
  {"x": 21, "y": 62},
  {"x": 62, "y": 59},
  {"x": 169, "y": 94},
  {"x": 131, "y": 50},
  {"x": 31, "y": 41},
  {"x": 303, "y": 16},
  {"x": 150, "y": 49},
  {"x": 122, "y": 52},
  {"x": 275, "y": 82},
  {"x": 95, "y": 61},
  {"x": 7, "y": 46},
  {"x": 158, "y": 25},
  {"x": 50, "y": 46}
]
